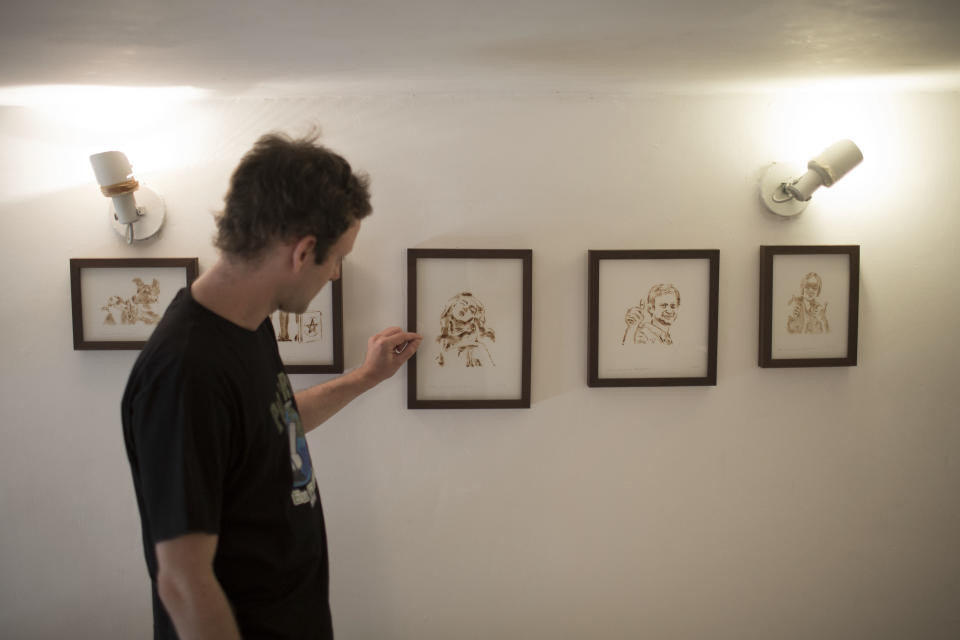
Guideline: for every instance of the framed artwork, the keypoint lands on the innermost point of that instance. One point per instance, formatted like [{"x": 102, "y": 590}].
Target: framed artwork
[
  {"x": 809, "y": 302},
  {"x": 117, "y": 302},
  {"x": 473, "y": 308},
  {"x": 312, "y": 341},
  {"x": 652, "y": 318}
]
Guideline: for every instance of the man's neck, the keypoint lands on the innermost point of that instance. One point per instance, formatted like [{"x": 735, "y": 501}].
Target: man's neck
[{"x": 236, "y": 291}]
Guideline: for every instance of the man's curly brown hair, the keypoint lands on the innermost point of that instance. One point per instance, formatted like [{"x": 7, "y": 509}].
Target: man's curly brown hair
[{"x": 285, "y": 189}]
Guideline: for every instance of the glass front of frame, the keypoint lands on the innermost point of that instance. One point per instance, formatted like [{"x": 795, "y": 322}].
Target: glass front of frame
[
  {"x": 810, "y": 313},
  {"x": 126, "y": 304}
]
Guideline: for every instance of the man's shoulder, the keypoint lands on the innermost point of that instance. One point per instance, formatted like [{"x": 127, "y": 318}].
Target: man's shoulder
[
  {"x": 180, "y": 332},
  {"x": 183, "y": 344}
]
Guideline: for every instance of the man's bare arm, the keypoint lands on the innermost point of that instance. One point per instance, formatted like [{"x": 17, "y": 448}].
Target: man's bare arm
[
  {"x": 386, "y": 352},
  {"x": 190, "y": 591}
]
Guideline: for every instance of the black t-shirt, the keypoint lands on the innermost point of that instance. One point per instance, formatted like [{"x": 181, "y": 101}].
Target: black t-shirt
[{"x": 216, "y": 445}]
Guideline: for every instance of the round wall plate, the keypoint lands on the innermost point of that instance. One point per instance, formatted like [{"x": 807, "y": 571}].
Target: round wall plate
[
  {"x": 777, "y": 174},
  {"x": 152, "y": 211}
]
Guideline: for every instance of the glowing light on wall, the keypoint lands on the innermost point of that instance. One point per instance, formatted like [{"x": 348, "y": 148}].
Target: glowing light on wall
[
  {"x": 873, "y": 111},
  {"x": 800, "y": 121},
  {"x": 159, "y": 124},
  {"x": 96, "y": 105}
]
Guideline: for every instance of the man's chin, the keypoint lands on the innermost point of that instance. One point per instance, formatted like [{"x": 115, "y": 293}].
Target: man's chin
[{"x": 293, "y": 309}]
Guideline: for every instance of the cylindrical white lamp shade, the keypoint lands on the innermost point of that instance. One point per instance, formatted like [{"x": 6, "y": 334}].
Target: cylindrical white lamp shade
[
  {"x": 836, "y": 161},
  {"x": 111, "y": 167},
  {"x": 115, "y": 176}
]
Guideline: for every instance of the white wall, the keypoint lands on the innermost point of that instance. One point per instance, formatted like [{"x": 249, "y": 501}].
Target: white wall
[{"x": 789, "y": 504}]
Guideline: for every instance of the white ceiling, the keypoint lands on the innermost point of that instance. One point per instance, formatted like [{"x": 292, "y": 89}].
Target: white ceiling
[{"x": 239, "y": 45}]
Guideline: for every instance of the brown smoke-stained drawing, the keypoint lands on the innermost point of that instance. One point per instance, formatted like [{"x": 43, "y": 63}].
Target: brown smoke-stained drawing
[
  {"x": 136, "y": 308},
  {"x": 807, "y": 313},
  {"x": 650, "y": 321},
  {"x": 309, "y": 327},
  {"x": 463, "y": 328}
]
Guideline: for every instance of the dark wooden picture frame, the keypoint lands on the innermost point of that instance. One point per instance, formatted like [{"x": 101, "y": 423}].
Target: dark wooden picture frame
[
  {"x": 524, "y": 307},
  {"x": 136, "y": 309},
  {"x": 336, "y": 326},
  {"x": 797, "y": 319},
  {"x": 709, "y": 322}
]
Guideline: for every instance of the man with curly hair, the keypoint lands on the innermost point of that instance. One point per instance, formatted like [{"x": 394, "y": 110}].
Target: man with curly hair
[{"x": 233, "y": 529}]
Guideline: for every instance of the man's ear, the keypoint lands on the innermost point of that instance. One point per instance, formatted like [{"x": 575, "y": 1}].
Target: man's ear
[{"x": 303, "y": 252}]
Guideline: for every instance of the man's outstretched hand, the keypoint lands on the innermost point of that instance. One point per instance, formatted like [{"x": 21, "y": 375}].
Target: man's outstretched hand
[{"x": 387, "y": 351}]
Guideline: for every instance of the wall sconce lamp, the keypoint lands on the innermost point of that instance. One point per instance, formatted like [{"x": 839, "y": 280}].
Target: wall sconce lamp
[
  {"x": 134, "y": 218},
  {"x": 786, "y": 195}
]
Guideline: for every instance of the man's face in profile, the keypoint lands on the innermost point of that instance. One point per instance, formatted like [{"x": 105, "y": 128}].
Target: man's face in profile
[{"x": 665, "y": 309}]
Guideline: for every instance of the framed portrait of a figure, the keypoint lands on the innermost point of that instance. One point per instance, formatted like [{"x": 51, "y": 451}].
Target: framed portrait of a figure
[
  {"x": 652, "y": 317},
  {"x": 117, "y": 302},
  {"x": 473, "y": 308},
  {"x": 312, "y": 341},
  {"x": 809, "y": 303}
]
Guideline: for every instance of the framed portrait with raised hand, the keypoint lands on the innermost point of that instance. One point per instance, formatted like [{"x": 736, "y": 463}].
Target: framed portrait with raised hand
[
  {"x": 473, "y": 308},
  {"x": 652, "y": 317},
  {"x": 809, "y": 304}
]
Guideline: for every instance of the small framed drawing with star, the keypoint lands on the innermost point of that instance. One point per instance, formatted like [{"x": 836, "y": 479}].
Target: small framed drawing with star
[{"x": 312, "y": 341}]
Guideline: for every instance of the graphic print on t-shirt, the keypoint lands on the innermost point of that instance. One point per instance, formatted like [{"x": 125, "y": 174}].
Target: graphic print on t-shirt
[{"x": 288, "y": 422}]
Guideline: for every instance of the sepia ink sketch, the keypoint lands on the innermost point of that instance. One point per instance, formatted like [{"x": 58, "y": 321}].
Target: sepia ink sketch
[
  {"x": 463, "y": 329},
  {"x": 650, "y": 323},
  {"x": 308, "y": 327},
  {"x": 136, "y": 308},
  {"x": 807, "y": 313}
]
